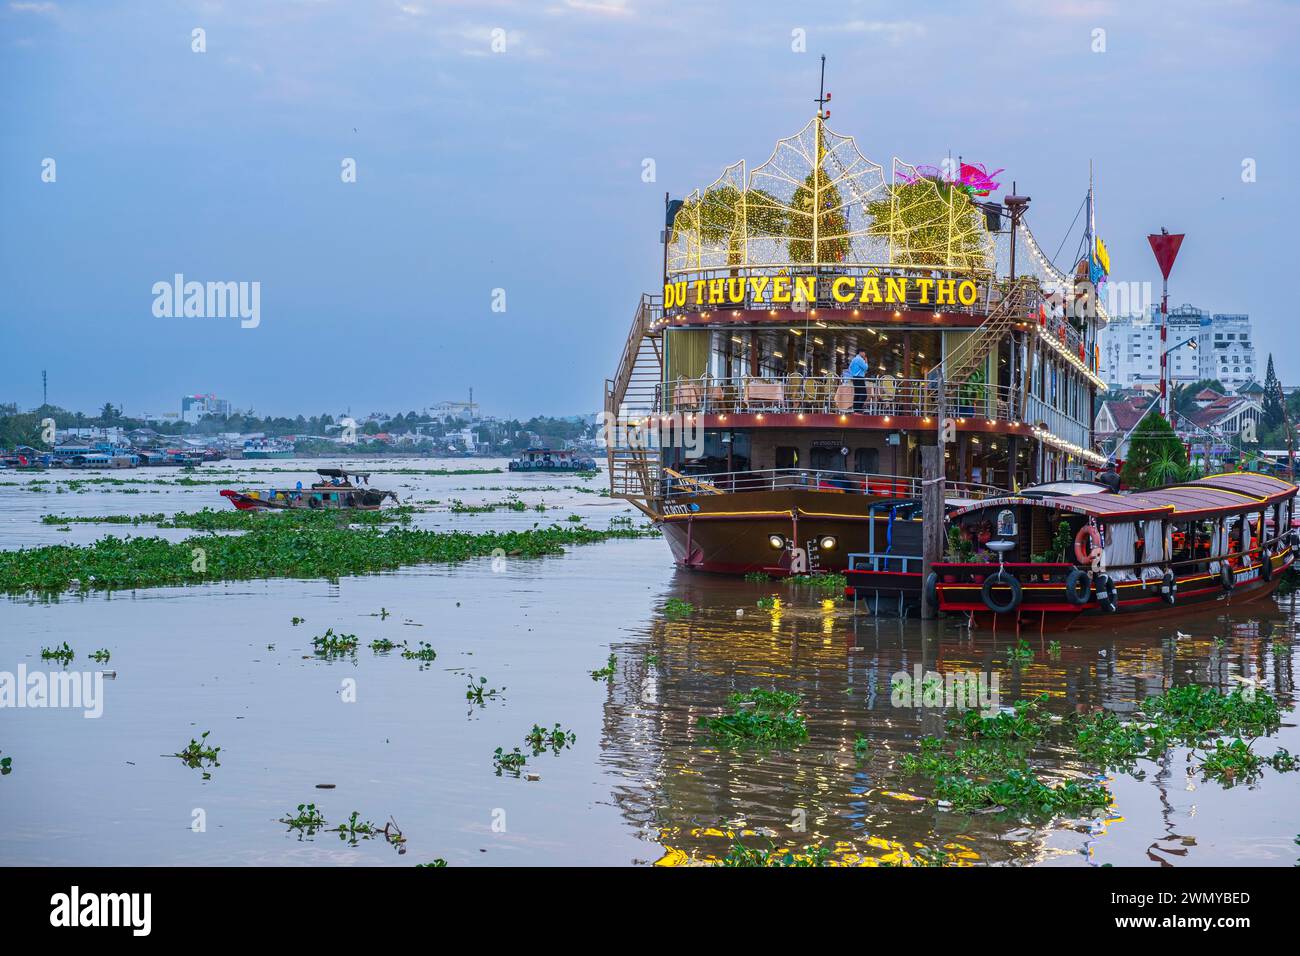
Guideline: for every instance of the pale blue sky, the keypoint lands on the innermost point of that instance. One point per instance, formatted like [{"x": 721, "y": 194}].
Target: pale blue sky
[{"x": 522, "y": 170}]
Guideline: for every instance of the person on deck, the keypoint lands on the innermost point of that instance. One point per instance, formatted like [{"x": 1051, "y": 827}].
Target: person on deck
[
  {"x": 1110, "y": 477},
  {"x": 858, "y": 374}
]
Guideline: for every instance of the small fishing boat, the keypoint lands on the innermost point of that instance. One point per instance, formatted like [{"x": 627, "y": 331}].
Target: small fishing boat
[
  {"x": 337, "y": 489},
  {"x": 552, "y": 459},
  {"x": 1054, "y": 558}
]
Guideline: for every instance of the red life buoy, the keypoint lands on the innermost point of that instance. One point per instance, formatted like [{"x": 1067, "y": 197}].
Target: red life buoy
[{"x": 1087, "y": 535}]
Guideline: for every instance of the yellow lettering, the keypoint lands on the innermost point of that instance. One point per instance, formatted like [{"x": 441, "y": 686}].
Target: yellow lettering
[
  {"x": 781, "y": 289},
  {"x": 895, "y": 290},
  {"x": 870, "y": 290},
  {"x": 806, "y": 288},
  {"x": 736, "y": 290},
  {"x": 925, "y": 285},
  {"x": 843, "y": 282},
  {"x": 946, "y": 292},
  {"x": 699, "y": 291},
  {"x": 670, "y": 297},
  {"x": 759, "y": 285},
  {"x": 715, "y": 291},
  {"x": 963, "y": 288}
]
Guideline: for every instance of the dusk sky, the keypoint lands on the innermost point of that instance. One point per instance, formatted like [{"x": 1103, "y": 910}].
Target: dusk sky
[{"x": 522, "y": 170}]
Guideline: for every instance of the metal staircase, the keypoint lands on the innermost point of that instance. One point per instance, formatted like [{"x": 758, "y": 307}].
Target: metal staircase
[
  {"x": 630, "y": 400},
  {"x": 968, "y": 356}
]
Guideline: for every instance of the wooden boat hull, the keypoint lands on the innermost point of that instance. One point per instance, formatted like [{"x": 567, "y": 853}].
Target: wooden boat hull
[
  {"x": 733, "y": 533},
  {"x": 1045, "y": 605},
  {"x": 310, "y": 499}
]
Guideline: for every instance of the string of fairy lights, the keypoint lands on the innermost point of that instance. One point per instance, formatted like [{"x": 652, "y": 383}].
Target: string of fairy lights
[{"x": 916, "y": 218}]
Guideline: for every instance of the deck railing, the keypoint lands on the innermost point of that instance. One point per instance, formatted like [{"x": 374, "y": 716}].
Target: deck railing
[
  {"x": 829, "y": 394},
  {"x": 781, "y": 479}
]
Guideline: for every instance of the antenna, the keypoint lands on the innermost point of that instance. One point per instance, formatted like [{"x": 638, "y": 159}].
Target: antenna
[{"x": 822, "y": 96}]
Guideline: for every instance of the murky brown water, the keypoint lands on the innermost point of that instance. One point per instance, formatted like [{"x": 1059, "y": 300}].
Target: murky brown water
[{"x": 638, "y": 786}]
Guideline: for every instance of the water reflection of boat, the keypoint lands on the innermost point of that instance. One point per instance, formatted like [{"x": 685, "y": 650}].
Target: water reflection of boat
[
  {"x": 785, "y": 385},
  {"x": 1062, "y": 558},
  {"x": 338, "y": 489}
]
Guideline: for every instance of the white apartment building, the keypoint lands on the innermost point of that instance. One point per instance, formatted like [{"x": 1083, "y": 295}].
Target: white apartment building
[{"x": 1225, "y": 349}]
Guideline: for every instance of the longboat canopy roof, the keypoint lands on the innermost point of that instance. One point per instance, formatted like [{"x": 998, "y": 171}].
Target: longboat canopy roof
[{"x": 1228, "y": 493}]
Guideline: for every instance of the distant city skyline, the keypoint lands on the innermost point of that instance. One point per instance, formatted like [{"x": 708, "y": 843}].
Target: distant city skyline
[{"x": 359, "y": 189}]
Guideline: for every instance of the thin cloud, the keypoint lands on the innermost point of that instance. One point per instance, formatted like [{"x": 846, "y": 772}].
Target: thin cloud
[{"x": 893, "y": 31}]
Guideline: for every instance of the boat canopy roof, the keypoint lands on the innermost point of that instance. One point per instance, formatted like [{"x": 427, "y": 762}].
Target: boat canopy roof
[
  {"x": 1217, "y": 494},
  {"x": 341, "y": 473}
]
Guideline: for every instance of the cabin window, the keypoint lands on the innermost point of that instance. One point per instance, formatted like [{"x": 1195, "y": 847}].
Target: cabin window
[{"x": 866, "y": 461}]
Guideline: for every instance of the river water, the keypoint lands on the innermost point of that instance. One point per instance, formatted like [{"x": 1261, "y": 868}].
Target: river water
[{"x": 397, "y": 741}]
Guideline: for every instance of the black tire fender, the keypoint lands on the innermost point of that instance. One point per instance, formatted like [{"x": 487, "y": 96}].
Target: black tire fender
[
  {"x": 1077, "y": 587},
  {"x": 1001, "y": 579},
  {"x": 932, "y": 589},
  {"x": 1226, "y": 577}
]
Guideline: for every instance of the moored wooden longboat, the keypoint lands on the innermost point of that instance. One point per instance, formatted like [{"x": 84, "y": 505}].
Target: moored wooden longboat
[
  {"x": 337, "y": 489},
  {"x": 1227, "y": 537}
]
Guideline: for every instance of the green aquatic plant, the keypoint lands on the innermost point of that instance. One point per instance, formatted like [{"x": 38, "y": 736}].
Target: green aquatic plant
[
  {"x": 330, "y": 644},
  {"x": 758, "y": 577},
  {"x": 1054, "y": 650},
  {"x": 295, "y": 621},
  {"x": 270, "y": 550},
  {"x": 828, "y": 581},
  {"x": 382, "y": 645},
  {"x": 1284, "y": 761},
  {"x": 307, "y": 819},
  {"x": 511, "y": 762},
  {"x": 606, "y": 672},
  {"x": 100, "y": 656},
  {"x": 758, "y": 716},
  {"x": 63, "y": 653},
  {"x": 198, "y": 753},
  {"x": 1022, "y": 791},
  {"x": 1022, "y": 653},
  {"x": 676, "y": 608},
  {"x": 1232, "y": 763},
  {"x": 938, "y": 763},
  {"x": 356, "y": 829},
  {"x": 1027, "y": 720},
  {"x": 421, "y": 652},
  {"x": 861, "y": 746},
  {"x": 768, "y": 603},
  {"x": 1109, "y": 741},
  {"x": 437, "y": 861},
  {"x": 740, "y": 855},
  {"x": 479, "y": 693},
  {"x": 6, "y": 765},
  {"x": 555, "y": 739},
  {"x": 1191, "y": 714}
]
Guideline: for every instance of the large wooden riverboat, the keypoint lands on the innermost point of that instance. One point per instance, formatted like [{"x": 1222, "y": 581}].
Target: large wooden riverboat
[{"x": 730, "y": 421}]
